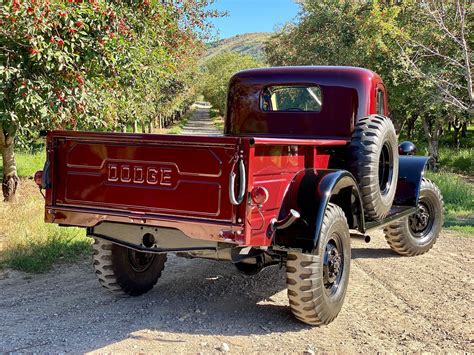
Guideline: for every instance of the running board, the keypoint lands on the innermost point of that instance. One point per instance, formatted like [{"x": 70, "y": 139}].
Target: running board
[{"x": 396, "y": 213}]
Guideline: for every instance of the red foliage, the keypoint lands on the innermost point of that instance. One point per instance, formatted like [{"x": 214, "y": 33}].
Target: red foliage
[{"x": 33, "y": 51}]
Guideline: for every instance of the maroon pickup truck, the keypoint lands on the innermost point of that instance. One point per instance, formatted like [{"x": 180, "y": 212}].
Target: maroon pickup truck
[{"x": 308, "y": 159}]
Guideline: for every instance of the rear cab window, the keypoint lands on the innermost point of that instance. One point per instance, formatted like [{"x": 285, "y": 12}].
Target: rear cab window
[{"x": 299, "y": 98}]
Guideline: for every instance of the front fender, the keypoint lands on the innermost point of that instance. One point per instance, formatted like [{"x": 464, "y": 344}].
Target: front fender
[
  {"x": 410, "y": 173},
  {"x": 309, "y": 193}
]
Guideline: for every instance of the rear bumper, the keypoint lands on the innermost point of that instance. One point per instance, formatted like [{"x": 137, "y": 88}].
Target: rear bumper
[
  {"x": 151, "y": 239},
  {"x": 191, "y": 228}
]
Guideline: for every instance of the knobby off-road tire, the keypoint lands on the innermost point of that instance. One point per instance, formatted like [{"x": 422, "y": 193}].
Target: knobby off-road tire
[
  {"x": 123, "y": 271},
  {"x": 374, "y": 163},
  {"x": 416, "y": 234},
  {"x": 317, "y": 282}
]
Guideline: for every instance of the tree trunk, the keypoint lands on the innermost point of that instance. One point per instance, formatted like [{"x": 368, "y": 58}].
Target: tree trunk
[
  {"x": 464, "y": 130},
  {"x": 411, "y": 126},
  {"x": 457, "y": 129},
  {"x": 135, "y": 126},
  {"x": 432, "y": 130},
  {"x": 150, "y": 126},
  {"x": 10, "y": 176}
]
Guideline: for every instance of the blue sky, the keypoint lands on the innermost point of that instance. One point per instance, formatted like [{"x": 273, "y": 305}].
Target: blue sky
[{"x": 252, "y": 15}]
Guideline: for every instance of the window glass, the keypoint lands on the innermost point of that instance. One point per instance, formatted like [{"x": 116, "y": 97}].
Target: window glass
[
  {"x": 292, "y": 98},
  {"x": 380, "y": 103}
]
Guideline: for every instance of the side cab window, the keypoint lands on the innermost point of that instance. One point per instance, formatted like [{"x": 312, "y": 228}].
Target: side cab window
[{"x": 380, "y": 102}]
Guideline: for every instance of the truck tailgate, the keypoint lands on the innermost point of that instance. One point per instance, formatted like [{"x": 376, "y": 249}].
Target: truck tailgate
[{"x": 180, "y": 176}]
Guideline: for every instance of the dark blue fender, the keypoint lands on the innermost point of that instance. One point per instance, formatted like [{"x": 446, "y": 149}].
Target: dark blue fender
[
  {"x": 410, "y": 173},
  {"x": 309, "y": 193}
]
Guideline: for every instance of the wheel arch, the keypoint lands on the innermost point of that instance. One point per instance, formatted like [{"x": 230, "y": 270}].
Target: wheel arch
[
  {"x": 309, "y": 193},
  {"x": 410, "y": 174}
]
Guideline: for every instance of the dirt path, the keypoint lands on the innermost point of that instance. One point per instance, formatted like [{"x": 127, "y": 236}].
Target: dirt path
[
  {"x": 393, "y": 304},
  {"x": 200, "y": 123}
]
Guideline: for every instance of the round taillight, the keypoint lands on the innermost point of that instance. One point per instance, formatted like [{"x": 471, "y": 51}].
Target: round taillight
[
  {"x": 259, "y": 195},
  {"x": 39, "y": 178}
]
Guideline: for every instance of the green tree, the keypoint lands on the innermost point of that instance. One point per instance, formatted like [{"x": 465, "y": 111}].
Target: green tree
[
  {"x": 217, "y": 73},
  {"x": 436, "y": 47},
  {"x": 93, "y": 65},
  {"x": 383, "y": 36}
]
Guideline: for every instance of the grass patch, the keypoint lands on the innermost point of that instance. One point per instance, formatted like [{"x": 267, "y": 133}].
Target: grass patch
[
  {"x": 29, "y": 244},
  {"x": 458, "y": 160},
  {"x": 27, "y": 164},
  {"x": 217, "y": 119},
  {"x": 38, "y": 254},
  {"x": 458, "y": 197},
  {"x": 455, "y": 160}
]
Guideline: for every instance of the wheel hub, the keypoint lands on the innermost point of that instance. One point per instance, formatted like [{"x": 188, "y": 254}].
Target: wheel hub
[
  {"x": 333, "y": 266},
  {"x": 420, "y": 221},
  {"x": 385, "y": 169},
  {"x": 140, "y": 262}
]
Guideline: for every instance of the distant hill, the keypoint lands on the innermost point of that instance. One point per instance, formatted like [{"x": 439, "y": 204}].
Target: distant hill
[{"x": 248, "y": 43}]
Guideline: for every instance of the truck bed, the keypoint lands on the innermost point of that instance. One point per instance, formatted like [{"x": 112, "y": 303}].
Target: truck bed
[{"x": 153, "y": 174}]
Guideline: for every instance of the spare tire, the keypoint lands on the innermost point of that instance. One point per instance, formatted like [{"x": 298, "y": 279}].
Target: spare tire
[{"x": 374, "y": 163}]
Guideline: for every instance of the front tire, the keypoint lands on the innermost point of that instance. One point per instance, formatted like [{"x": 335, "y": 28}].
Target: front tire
[
  {"x": 317, "y": 282},
  {"x": 124, "y": 271},
  {"x": 416, "y": 234}
]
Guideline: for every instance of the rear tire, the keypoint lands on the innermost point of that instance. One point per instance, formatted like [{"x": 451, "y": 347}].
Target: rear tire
[
  {"x": 416, "y": 234},
  {"x": 374, "y": 163},
  {"x": 317, "y": 282},
  {"x": 124, "y": 271}
]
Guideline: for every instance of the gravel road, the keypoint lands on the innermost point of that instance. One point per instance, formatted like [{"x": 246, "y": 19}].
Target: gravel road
[
  {"x": 200, "y": 123},
  {"x": 393, "y": 304}
]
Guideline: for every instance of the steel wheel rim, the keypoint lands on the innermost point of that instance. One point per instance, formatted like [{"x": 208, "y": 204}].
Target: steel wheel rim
[
  {"x": 385, "y": 169},
  {"x": 333, "y": 265},
  {"x": 140, "y": 262},
  {"x": 422, "y": 221}
]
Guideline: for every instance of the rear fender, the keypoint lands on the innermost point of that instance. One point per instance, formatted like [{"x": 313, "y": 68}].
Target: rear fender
[
  {"x": 410, "y": 173},
  {"x": 309, "y": 193}
]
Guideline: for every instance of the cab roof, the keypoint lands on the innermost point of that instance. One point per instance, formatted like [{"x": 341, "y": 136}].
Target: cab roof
[{"x": 348, "y": 94}]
